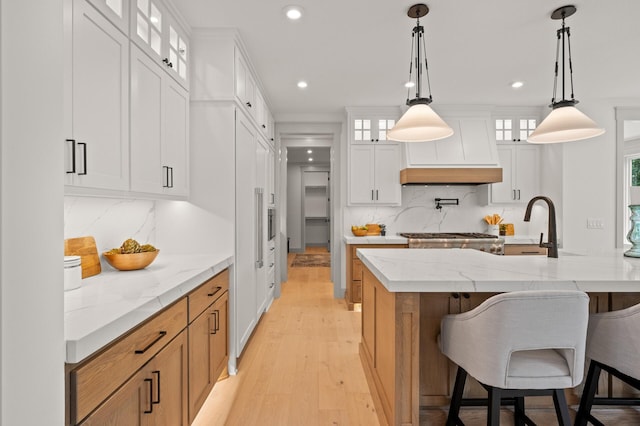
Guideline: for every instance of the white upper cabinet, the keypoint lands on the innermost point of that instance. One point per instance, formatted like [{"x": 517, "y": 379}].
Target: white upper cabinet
[
  {"x": 514, "y": 124},
  {"x": 371, "y": 127},
  {"x": 374, "y": 175},
  {"x": 245, "y": 85},
  {"x": 157, "y": 32},
  {"x": 520, "y": 174},
  {"x": 97, "y": 153},
  {"x": 117, "y": 11},
  {"x": 159, "y": 129}
]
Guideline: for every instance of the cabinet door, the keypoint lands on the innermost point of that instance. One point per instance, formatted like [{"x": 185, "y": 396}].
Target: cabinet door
[
  {"x": 175, "y": 139},
  {"x": 129, "y": 405},
  {"x": 177, "y": 48},
  {"x": 261, "y": 182},
  {"x": 527, "y": 170},
  {"x": 361, "y": 174},
  {"x": 503, "y": 192},
  {"x": 201, "y": 379},
  {"x": 245, "y": 301},
  {"x": 147, "y": 81},
  {"x": 117, "y": 11},
  {"x": 387, "y": 174},
  {"x": 169, "y": 373},
  {"x": 147, "y": 20},
  {"x": 220, "y": 335},
  {"x": 100, "y": 100},
  {"x": 245, "y": 85}
]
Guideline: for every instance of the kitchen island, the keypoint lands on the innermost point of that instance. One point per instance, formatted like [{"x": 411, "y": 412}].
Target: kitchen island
[{"x": 405, "y": 293}]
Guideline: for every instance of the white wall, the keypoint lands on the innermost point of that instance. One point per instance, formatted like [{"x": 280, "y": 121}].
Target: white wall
[{"x": 31, "y": 231}]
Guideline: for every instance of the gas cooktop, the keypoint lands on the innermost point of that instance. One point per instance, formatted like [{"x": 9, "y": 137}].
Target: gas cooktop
[{"x": 448, "y": 235}]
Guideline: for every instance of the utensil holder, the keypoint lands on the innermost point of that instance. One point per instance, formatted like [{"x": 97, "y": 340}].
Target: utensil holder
[{"x": 493, "y": 229}]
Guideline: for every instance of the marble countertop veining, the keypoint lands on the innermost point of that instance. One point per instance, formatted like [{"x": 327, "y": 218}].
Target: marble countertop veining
[
  {"x": 111, "y": 303},
  {"x": 460, "y": 270}
]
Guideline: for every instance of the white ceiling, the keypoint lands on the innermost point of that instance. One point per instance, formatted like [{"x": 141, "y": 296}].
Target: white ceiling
[
  {"x": 356, "y": 52},
  {"x": 299, "y": 155}
]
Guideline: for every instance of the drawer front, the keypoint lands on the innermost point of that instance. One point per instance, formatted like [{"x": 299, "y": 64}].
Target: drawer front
[
  {"x": 94, "y": 380},
  {"x": 523, "y": 250},
  {"x": 207, "y": 293}
]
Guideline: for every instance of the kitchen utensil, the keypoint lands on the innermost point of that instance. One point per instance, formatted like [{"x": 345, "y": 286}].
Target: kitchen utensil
[
  {"x": 85, "y": 247},
  {"x": 132, "y": 261}
]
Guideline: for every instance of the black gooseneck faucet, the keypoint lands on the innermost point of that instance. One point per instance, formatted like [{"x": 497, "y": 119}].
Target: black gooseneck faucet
[{"x": 552, "y": 244}]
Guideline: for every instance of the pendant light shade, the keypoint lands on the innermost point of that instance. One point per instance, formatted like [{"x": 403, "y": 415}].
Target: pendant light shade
[
  {"x": 565, "y": 123},
  {"x": 419, "y": 123}
]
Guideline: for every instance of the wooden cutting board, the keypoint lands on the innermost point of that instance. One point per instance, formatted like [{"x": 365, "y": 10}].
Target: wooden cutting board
[{"x": 85, "y": 247}]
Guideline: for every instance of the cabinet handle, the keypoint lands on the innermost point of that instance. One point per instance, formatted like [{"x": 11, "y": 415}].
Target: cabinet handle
[
  {"x": 518, "y": 194},
  {"x": 466, "y": 295},
  {"x": 84, "y": 159},
  {"x": 171, "y": 168},
  {"x": 271, "y": 264},
  {"x": 217, "y": 318},
  {"x": 372, "y": 195},
  {"x": 264, "y": 127},
  {"x": 150, "y": 410},
  {"x": 217, "y": 289},
  {"x": 455, "y": 295},
  {"x": 513, "y": 196},
  {"x": 376, "y": 195},
  {"x": 157, "y": 373},
  {"x": 272, "y": 285},
  {"x": 73, "y": 155},
  {"x": 249, "y": 104},
  {"x": 167, "y": 63},
  {"x": 156, "y": 340},
  {"x": 215, "y": 314},
  {"x": 272, "y": 248},
  {"x": 530, "y": 252}
]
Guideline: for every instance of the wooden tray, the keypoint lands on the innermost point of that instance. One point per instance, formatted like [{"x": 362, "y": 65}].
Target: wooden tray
[{"x": 85, "y": 247}]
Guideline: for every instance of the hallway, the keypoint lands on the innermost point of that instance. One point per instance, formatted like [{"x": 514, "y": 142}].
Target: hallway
[{"x": 301, "y": 366}]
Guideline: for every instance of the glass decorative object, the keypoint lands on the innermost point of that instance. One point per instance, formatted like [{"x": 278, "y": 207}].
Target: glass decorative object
[{"x": 634, "y": 233}]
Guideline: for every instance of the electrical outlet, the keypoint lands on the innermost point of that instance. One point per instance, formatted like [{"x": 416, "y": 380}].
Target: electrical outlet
[{"x": 595, "y": 223}]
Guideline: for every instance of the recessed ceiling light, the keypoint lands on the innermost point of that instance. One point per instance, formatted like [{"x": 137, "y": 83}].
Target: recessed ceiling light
[
  {"x": 293, "y": 12},
  {"x": 309, "y": 151},
  {"x": 409, "y": 84},
  {"x": 302, "y": 84},
  {"x": 310, "y": 159},
  {"x": 517, "y": 84}
]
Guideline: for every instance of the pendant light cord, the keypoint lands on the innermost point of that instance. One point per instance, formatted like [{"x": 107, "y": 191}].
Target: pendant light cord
[
  {"x": 416, "y": 62},
  {"x": 560, "y": 39},
  {"x": 426, "y": 64}
]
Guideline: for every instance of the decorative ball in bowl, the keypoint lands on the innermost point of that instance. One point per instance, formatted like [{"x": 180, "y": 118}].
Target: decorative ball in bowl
[{"x": 130, "y": 261}]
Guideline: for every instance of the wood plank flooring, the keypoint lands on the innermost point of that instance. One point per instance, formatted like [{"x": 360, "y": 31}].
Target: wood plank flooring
[{"x": 301, "y": 367}]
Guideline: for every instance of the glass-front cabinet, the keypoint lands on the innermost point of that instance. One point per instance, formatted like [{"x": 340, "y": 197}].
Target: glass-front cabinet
[
  {"x": 116, "y": 11},
  {"x": 161, "y": 37}
]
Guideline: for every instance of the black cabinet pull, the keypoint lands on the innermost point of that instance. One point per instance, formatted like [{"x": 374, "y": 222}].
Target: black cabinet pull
[
  {"x": 73, "y": 155},
  {"x": 264, "y": 127},
  {"x": 466, "y": 295},
  {"x": 217, "y": 289},
  {"x": 84, "y": 158},
  {"x": 165, "y": 184},
  {"x": 455, "y": 295},
  {"x": 150, "y": 410},
  {"x": 217, "y": 320},
  {"x": 249, "y": 104},
  {"x": 156, "y": 340},
  {"x": 157, "y": 373},
  {"x": 171, "y": 169}
]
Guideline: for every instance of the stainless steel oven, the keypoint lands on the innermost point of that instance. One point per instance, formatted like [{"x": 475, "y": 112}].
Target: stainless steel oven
[{"x": 271, "y": 223}]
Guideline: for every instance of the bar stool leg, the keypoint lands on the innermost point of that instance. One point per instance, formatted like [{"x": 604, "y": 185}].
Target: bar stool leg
[
  {"x": 456, "y": 398},
  {"x": 518, "y": 413},
  {"x": 588, "y": 393},
  {"x": 562, "y": 409},
  {"x": 493, "y": 417}
]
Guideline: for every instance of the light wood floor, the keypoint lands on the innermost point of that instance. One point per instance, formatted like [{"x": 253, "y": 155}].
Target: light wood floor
[{"x": 301, "y": 367}]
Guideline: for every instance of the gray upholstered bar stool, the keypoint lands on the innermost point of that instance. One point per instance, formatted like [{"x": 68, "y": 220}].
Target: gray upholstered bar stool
[
  {"x": 524, "y": 343},
  {"x": 613, "y": 345}
]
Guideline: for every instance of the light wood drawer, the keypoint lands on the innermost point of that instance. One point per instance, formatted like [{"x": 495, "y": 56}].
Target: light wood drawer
[
  {"x": 94, "y": 380},
  {"x": 523, "y": 249},
  {"x": 207, "y": 293}
]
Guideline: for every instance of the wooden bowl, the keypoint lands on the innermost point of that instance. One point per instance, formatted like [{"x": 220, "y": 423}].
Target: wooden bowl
[
  {"x": 131, "y": 262},
  {"x": 359, "y": 232}
]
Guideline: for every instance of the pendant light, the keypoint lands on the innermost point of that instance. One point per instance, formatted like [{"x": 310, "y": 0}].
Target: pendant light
[
  {"x": 419, "y": 123},
  {"x": 565, "y": 123}
]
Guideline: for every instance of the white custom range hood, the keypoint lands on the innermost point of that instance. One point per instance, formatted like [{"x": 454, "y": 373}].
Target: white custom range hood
[{"x": 468, "y": 157}]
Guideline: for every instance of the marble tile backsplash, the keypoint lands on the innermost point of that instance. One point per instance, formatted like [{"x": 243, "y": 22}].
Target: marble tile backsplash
[
  {"x": 109, "y": 220},
  {"x": 418, "y": 213}
]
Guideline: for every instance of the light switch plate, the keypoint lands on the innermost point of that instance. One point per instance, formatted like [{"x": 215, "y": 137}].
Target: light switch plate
[{"x": 595, "y": 223}]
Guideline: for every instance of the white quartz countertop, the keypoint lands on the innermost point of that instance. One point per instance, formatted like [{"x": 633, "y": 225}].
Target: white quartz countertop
[
  {"x": 460, "y": 270},
  {"x": 111, "y": 303},
  {"x": 397, "y": 239}
]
